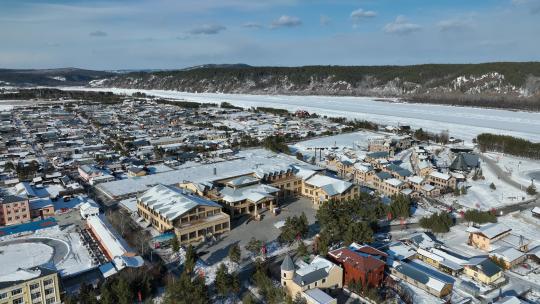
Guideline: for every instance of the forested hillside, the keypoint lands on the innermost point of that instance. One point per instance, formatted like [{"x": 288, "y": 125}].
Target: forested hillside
[{"x": 501, "y": 84}]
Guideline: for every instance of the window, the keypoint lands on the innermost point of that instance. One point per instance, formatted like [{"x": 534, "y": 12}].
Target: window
[
  {"x": 16, "y": 291},
  {"x": 34, "y": 286},
  {"x": 324, "y": 281},
  {"x": 49, "y": 291},
  {"x": 18, "y": 301},
  {"x": 50, "y": 301},
  {"x": 35, "y": 295},
  {"x": 3, "y": 295}
]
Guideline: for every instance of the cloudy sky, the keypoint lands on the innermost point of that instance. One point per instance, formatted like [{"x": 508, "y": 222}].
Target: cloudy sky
[{"x": 167, "y": 34}]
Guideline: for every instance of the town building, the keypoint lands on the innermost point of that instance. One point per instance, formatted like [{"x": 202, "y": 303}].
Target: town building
[
  {"x": 320, "y": 273},
  {"x": 191, "y": 217},
  {"x": 483, "y": 270},
  {"x": 33, "y": 285},
  {"x": 495, "y": 235},
  {"x": 14, "y": 210},
  {"x": 363, "y": 265},
  {"x": 423, "y": 277}
]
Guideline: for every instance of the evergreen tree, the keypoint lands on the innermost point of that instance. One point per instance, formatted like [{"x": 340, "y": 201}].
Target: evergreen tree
[
  {"x": 248, "y": 299},
  {"x": 302, "y": 249},
  {"x": 223, "y": 280},
  {"x": 107, "y": 295},
  {"x": 175, "y": 244},
  {"x": 254, "y": 246},
  {"x": 400, "y": 206},
  {"x": 492, "y": 186},
  {"x": 191, "y": 259},
  {"x": 531, "y": 190},
  {"x": 358, "y": 232},
  {"x": 235, "y": 253},
  {"x": 123, "y": 292},
  {"x": 298, "y": 299},
  {"x": 463, "y": 190},
  {"x": 184, "y": 290}
]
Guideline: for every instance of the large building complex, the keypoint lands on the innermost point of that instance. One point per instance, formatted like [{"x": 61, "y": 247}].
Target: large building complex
[
  {"x": 191, "y": 217},
  {"x": 36, "y": 285}
]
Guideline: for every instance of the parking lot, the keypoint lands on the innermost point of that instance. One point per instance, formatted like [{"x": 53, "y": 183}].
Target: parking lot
[{"x": 243, "y": 229}]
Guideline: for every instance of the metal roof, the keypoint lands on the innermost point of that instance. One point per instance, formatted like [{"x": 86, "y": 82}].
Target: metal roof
[{"x": 172, "y": 202}]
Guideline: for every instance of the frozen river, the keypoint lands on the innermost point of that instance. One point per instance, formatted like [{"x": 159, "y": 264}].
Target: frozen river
[{"x": 462, "y": 122}]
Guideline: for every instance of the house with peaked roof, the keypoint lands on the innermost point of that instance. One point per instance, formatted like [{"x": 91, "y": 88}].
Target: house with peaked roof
[
  {"x": 495, "y": 235},
  {"x": 191, "y": 217},
  {"x": 423, "y": 277},
  {"x": 465, "y": 162},
  {"x": 321, "y": 188},
  {"x": 482, "y": 269},
  {"x": 362, "y": 264},
  {"x": 319, "y": 274}
]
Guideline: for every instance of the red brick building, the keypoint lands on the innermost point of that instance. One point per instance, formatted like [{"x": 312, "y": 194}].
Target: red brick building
[
  {"x": 14, "y": 210},
  {"x": 362, "y": 264}
]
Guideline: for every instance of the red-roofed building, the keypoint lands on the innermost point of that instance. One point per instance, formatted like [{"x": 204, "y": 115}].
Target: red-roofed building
[{"x": 362, "y": 264}]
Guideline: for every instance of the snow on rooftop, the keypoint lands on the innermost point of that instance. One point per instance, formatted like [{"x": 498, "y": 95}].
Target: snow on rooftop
[
  {"x": 258, "y": 161},
  {"x": 330, "y": 185},
  {"x": 440, "y": 175},
  {"x": 172, "y": 202},
  {"x": 493, "y": 230},
  {"x": 108, "y": 238},
  {"x": 18, "y": 256}
]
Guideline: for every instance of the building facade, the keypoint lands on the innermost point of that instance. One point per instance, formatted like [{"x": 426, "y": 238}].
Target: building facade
[
  {"x": 43, "y": 287},
  {"x": 14, "y": 210},
  {"x": 191, "y": 217}
]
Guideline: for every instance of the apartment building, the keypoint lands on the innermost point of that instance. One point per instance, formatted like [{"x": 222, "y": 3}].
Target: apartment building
[
  {"x": 14, "y": 210},
  {"x": 37, "y": 285}
]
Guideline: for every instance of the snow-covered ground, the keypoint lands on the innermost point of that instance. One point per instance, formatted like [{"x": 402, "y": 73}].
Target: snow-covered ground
[
  {"x": 462, "y": 122},
  {"x": 24, "y": 255},
  {"x": 5, "y": 107},
  {"x": 481, "y": 196},
  {"x": 68, "y": 253},
  {"x": 521, "y": 169},
  {"x": 356, "y": 140}
]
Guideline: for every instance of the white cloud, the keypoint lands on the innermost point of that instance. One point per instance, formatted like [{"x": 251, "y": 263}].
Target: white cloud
[
  {"x": 454, "y": 25},
  {"x": 532, "y": 5},
  {"x": 207, "y": 29},
  {"x": 286, "y": 21},
  {"x": 401, "y": 26},
  {"x": 325, "y": 20},
  {"x": 98, "y": 34},
  {"x": 253, "y": 25},
  {"x": 361, "y": 14}
]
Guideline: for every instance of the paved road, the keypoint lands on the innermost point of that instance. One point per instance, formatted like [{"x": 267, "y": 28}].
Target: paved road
[{"x": 503, "y": 175}]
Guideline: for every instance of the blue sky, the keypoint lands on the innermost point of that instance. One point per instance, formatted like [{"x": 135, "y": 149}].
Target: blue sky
[{"x": 167, "y": 34}]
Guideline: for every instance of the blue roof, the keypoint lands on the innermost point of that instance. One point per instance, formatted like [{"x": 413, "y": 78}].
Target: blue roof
[{"x": 28, "y": 227}]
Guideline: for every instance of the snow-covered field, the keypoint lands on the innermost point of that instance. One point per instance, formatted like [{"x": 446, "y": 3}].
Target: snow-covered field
[
  {"x": 24, "y": 255},
  {"x": 5, "y": 107},
  {"x": 462, "y": 122},
  {"x": 481, "y": 196},
  {"x": 69, "y": 255},
  {"x": 521, "y": 169}
]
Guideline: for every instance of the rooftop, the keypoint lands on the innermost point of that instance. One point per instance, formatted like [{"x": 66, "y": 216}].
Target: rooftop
[{"x": 172, "y": 202}]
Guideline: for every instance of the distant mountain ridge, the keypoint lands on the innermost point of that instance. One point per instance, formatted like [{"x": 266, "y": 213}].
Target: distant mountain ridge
[
  {"x": 520, "y": 79},
  {"x": 514, "y": 85},
  {"x": 50, "y": 77}
]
